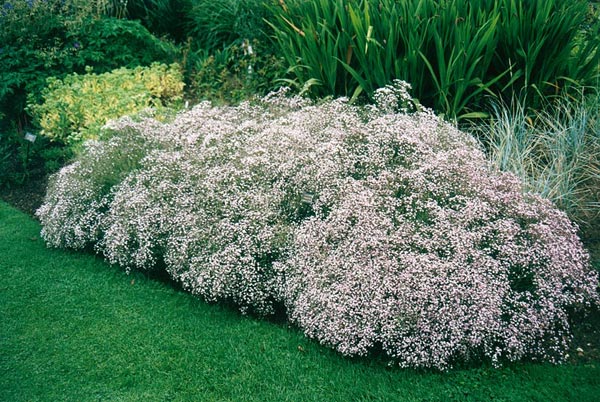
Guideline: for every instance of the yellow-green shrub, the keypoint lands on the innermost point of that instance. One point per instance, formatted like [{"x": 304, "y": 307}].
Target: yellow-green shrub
[{"x": 75, "y": 108}]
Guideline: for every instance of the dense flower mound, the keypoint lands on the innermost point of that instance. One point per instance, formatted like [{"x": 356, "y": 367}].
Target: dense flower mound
[{"x": 376, "y": 228}]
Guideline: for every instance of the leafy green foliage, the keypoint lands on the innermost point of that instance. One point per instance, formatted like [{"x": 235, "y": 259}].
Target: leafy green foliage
[
  {"x": 227, "y": 56},
  {"x": 237, "y": 72},
  {"x": 75, "y": 108},
  {"x": 33, "y": 46},
  {"x": 224, "y": 50},
  {"x": 544, "y": 47},
  {"x": 109, "y": 43},
  {"x": 214, "y": 24},
  {"x": 52, "y": 38},
  {"x": 10, "y": 160},
  {"x": 452, "y": 52},
  {"x": 21, "y": 160},
  {"x": 161, "y": 17},
  {"x": 211, "y": 24}
]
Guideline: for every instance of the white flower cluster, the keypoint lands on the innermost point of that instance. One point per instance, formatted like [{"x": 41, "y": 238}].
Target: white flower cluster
[
  {"x": 394, "y": 98},
  {"x": 375, "y": 229}
]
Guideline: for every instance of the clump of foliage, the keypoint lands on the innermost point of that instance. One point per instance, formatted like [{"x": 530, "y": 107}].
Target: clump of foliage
[
  {"x": 238, "y": 72},
  {"x": 75, "y": 108},
  {"x": 108, "y": 43},
  {"x": 376, "y": 227},
  {"x": 41, "y": 39},
  {"x": 453, "y": 52},
  {"x": 209, "y": 25},
  {"x": 215, "y": 24},
  {"x": 228, "y": 56},
  {"x": 161, "y": 17}
]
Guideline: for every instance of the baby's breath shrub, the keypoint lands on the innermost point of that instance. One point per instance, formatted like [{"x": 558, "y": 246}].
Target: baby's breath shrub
[
  {"x": 437, "y": 260},
  {"x": 75, "y": 108},
  {"x": 376, "y": 229},
  {"x": 207, "y": 211}
]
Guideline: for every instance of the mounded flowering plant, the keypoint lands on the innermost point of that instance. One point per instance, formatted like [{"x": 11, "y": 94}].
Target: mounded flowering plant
[{"x": 378, "y": 228}]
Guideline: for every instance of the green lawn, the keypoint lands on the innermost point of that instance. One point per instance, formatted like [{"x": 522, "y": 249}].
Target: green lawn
[{"x": 74, "y": 328}]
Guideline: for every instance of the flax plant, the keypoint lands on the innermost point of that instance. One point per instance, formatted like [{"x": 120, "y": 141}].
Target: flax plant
[
  {"x": 452, "y": 52},
  {"x": 353, "y": 47},
  {"x": 543, "y": 45},
  {"x": 312, "y": 37}
]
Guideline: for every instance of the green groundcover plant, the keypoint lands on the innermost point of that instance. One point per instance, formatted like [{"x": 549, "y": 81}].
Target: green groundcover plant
[{"x": 377, "y": 228}]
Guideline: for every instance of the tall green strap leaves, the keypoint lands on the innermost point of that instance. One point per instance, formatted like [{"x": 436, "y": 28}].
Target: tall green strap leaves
[{"x": 452, "y": 52}]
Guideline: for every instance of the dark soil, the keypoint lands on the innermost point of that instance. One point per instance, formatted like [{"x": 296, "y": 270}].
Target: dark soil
[
  {"x": 27, "y": 197},
  {"x": 585, "y": 348}
]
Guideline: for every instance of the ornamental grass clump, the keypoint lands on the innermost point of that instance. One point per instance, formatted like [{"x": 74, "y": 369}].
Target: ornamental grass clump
[
  {"x": 555, "y": 152},
  {"x": 378, "y": 228}
]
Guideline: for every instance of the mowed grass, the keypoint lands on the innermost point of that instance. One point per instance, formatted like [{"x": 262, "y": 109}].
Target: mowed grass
[{"x": 74, "y": 328}]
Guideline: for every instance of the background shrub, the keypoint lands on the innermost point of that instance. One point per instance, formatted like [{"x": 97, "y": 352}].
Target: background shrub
[
  {"x": 228, "y": 56},
  {"x": 375, "y": 229},
  {"x": 216, "y": 24},
  {"x": 75, "y": 108},
  {"x": 109, "y": 43},
  {"x": 161, "y": 17},
  {"x": 33, "y": 46},
  {"x": 236, "y": 73},
  {"x": 52, "y": 38}
]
